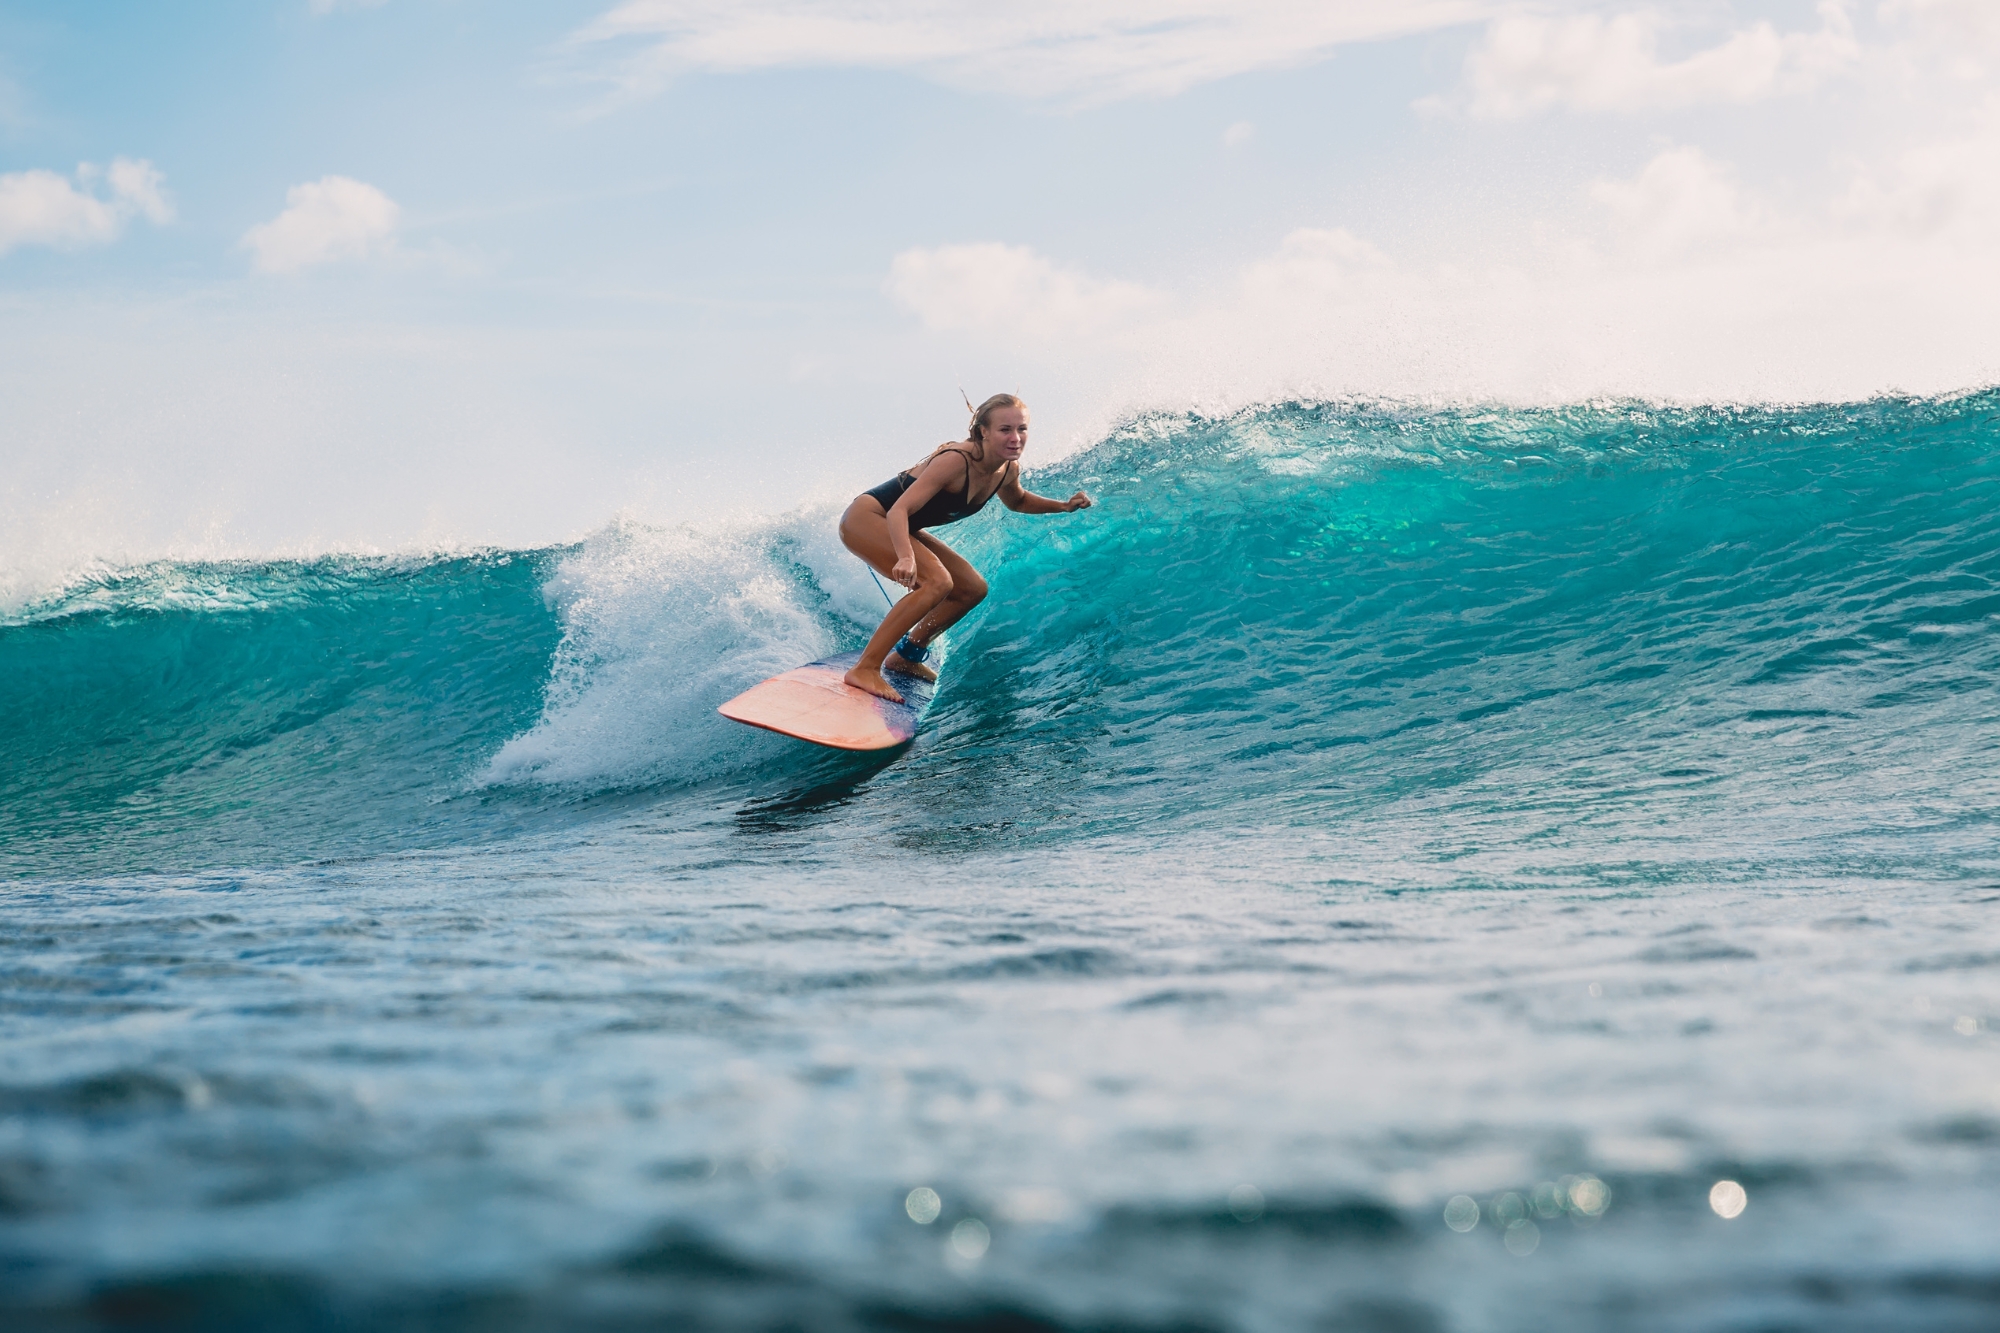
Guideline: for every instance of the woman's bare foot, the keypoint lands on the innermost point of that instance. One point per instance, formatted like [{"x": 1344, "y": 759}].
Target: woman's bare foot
[
  {"x": 895, "y": 662},
  {"x": 872, "y": 682}
]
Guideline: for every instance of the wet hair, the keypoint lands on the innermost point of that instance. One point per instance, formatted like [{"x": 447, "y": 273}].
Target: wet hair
[{"x": 976, "y": 433}]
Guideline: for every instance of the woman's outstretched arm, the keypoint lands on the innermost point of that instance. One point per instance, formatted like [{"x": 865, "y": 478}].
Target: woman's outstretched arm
[{"x": 1023, "y": 501}]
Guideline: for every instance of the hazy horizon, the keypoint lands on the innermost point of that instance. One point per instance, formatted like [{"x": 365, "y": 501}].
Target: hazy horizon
[{"x": 285, "y": 277}]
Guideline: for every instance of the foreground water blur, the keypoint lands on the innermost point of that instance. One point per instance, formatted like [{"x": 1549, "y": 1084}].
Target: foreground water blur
[{"x": 595, "y": 1084}]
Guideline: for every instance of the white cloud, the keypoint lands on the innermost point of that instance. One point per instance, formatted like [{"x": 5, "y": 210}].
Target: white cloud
[
  {"x": 1964, "y": 33},
  {"x": 1704, "y": 291},
  {"x": 1316, "y": 264},
  {"x": 329, "y": 219},
  {"x": 1948, "y": 188},
  {"x": 137, "y": 186},
  {"x": 43, "y": 208},
  {"x": 1076, "y": 51},
  {"x": 1681, "y": 200},
  {"x": 1589, "y": 62},
  {"x": 1238, "y": 134},
  {"x": 1976, "y": 21},
  {"x": 1009, "y": 293}
]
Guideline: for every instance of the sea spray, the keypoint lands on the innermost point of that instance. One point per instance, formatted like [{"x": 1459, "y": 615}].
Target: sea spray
[{"x": 660, "y": 625}]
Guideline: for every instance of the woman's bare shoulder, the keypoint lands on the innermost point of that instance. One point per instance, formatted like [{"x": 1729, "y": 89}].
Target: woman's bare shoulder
[{"x": 949, "y": 449}]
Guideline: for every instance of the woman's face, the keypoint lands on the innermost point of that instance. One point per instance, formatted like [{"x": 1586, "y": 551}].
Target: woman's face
[{"x": 1007, "y": 433}]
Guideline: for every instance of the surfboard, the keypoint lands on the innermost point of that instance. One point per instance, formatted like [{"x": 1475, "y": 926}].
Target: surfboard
[{"x": 814, "y": 704}]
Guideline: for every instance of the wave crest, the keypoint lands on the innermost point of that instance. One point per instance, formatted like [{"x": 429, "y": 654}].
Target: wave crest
[{"x": 660, "y": 625}]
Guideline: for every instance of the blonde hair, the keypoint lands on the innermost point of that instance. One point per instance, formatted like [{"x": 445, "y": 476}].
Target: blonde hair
[{"x": 976, "y": 432}]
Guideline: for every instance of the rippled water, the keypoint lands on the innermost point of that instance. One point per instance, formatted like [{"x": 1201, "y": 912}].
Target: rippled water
[{"x": 1365, "y": 822}]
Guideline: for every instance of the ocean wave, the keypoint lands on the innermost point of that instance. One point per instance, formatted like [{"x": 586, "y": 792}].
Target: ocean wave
[{"x": 1593, "y": 617}]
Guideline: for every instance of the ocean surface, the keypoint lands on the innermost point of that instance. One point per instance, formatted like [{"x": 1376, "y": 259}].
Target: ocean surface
[{"x": 1385, "y": 868}]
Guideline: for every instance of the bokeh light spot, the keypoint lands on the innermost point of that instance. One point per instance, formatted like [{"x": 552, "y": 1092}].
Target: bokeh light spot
[
  {"x": 1728, "y": 1198},
  {"x": 1521, "y": 1237},
  {"x": 970, "y": 1238},
  {"x": 1589, "y": 1196},
  {"x": 1462, "y": 1213},
  {"x": 923, "y": 1205},
  {"x": 1246, "y": 1203}
]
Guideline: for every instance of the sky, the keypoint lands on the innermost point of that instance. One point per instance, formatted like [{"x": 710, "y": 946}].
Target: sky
[{"x": 288, "y": 276}]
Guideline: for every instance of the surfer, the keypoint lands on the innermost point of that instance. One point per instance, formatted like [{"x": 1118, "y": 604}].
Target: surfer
[{"x": 886, "y": 527}]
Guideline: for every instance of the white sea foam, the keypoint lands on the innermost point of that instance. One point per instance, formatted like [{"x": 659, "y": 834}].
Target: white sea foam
[{"x": 661, "y": 624}]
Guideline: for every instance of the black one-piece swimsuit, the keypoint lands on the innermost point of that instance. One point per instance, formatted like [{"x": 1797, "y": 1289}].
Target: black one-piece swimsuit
[{"x": 941, "y": 508}]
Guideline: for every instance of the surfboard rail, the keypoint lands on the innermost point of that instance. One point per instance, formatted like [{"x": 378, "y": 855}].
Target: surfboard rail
[{"x": 813, "y": 703}]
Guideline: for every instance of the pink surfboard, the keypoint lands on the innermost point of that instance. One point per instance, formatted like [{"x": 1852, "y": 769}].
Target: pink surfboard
[{"x": 814, "y": 704}]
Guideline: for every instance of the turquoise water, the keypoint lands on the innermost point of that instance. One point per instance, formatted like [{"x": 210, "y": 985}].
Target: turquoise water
[{"x": 1360, "y": 808}]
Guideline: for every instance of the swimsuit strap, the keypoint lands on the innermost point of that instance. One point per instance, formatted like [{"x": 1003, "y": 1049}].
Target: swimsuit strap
[
  {"x": 967, "y": 492},
  {"x": 947, "y": 449}
]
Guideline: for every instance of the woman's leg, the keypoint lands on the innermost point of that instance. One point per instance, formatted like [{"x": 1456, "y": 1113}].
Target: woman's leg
[
  {"x": 967, "y": 590},
  {"x": 864, "y": 530}
]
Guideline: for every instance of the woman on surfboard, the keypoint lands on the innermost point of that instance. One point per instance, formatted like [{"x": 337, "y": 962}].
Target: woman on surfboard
[{"x": 886, "y": 527}]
